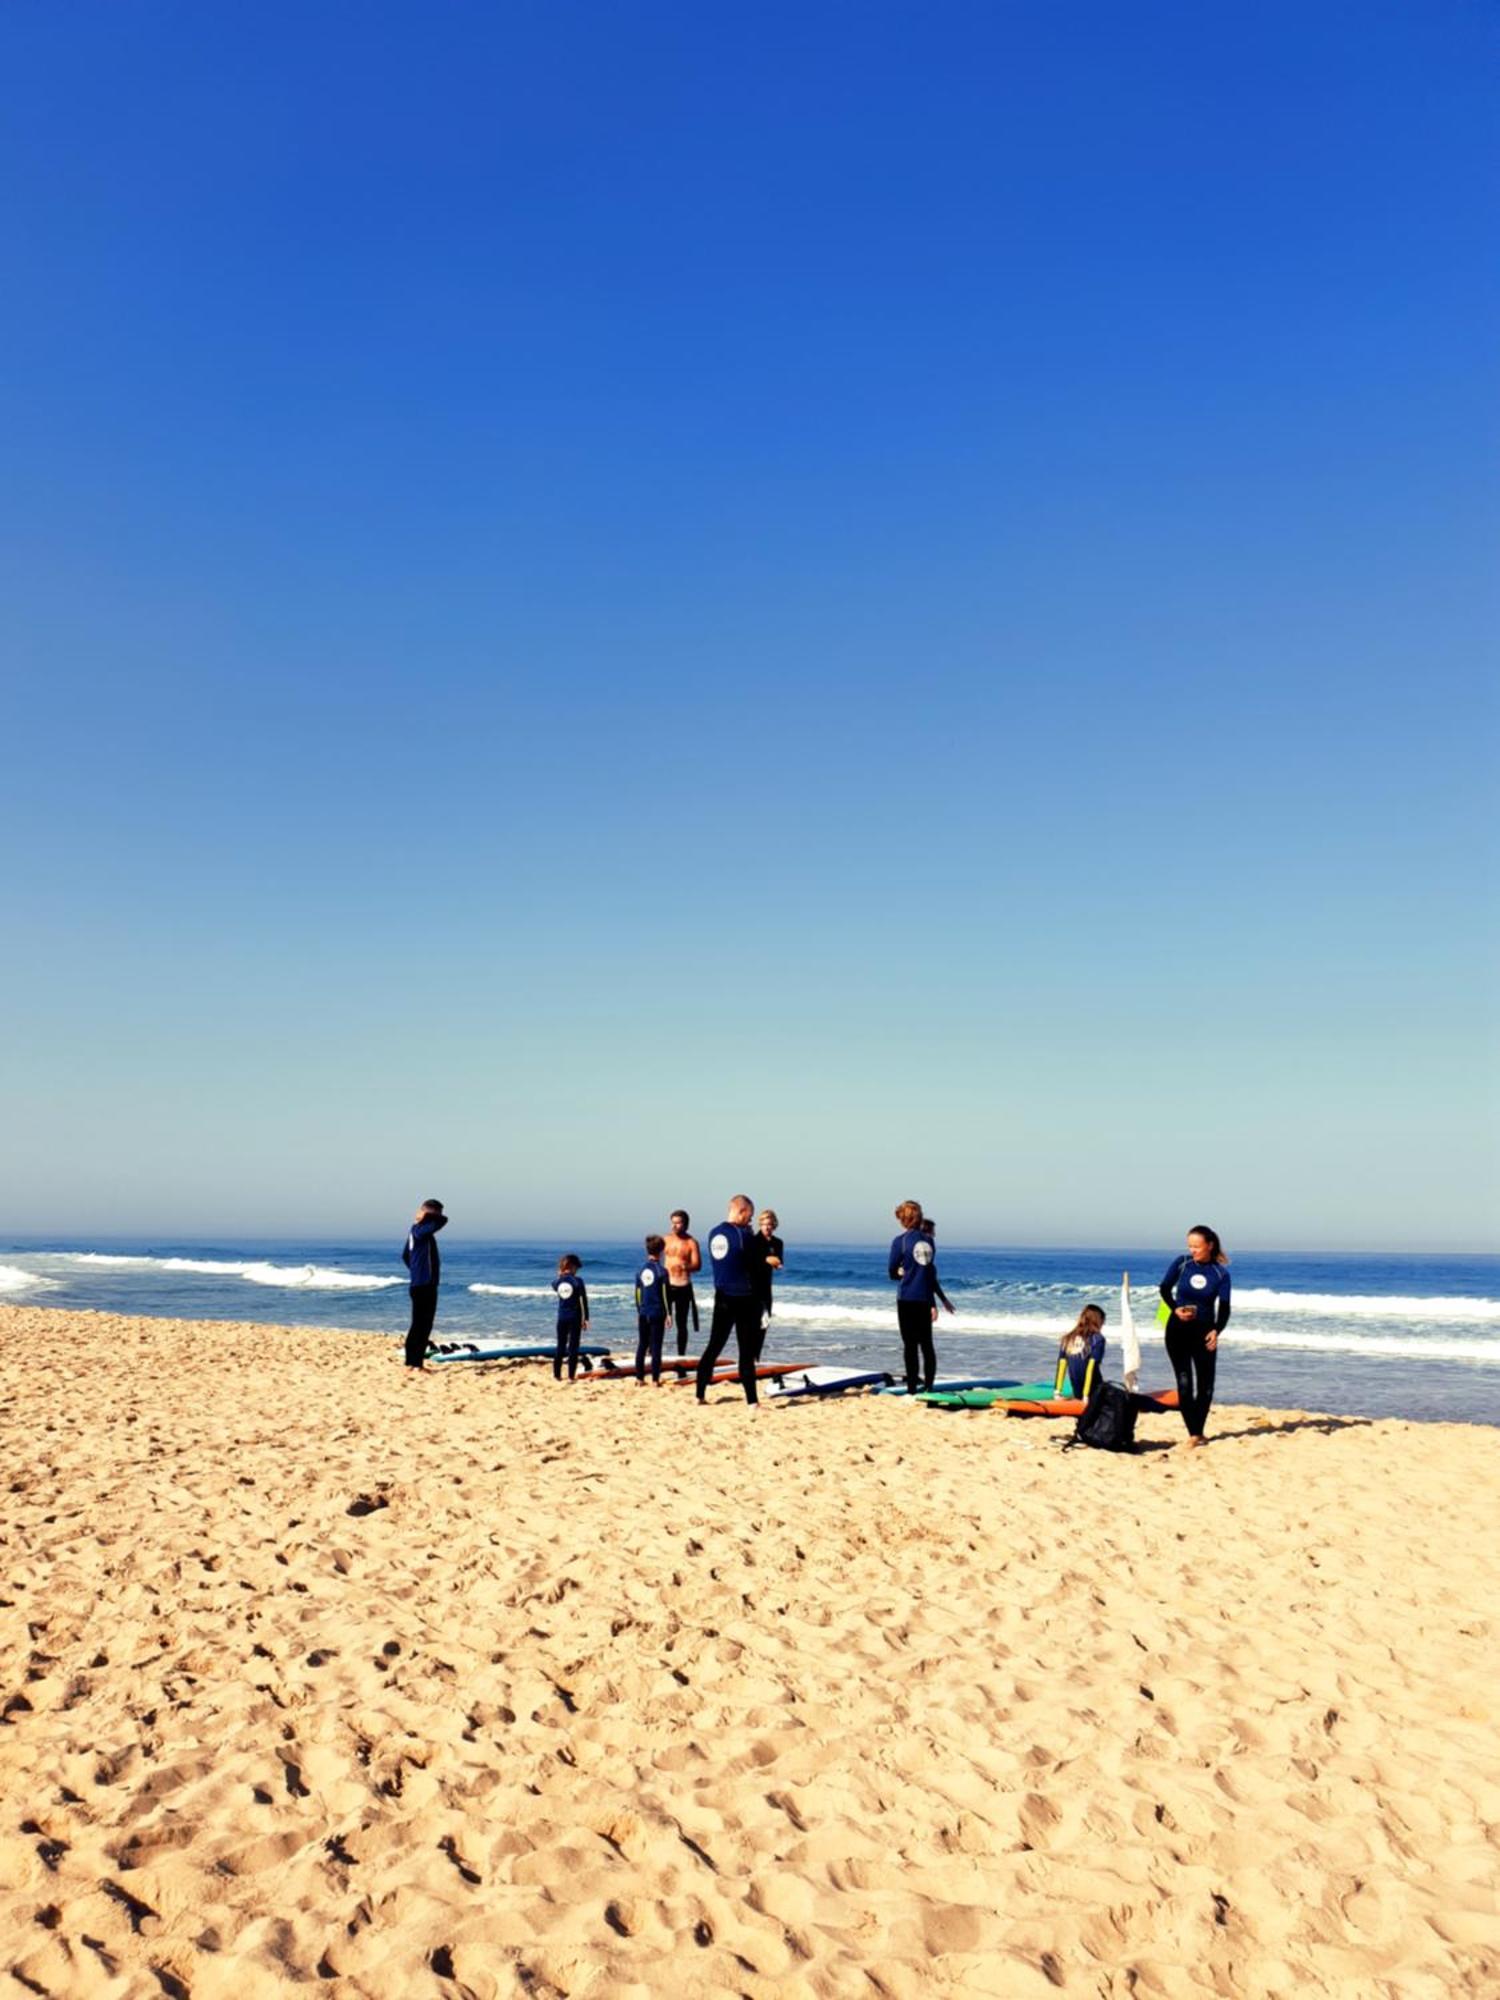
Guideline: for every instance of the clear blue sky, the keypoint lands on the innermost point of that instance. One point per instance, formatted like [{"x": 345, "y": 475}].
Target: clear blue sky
[{"x": 606, "y": 603}]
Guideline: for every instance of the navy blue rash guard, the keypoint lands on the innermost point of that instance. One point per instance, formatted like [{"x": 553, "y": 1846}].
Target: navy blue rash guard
[
  {"x": 1205, "y": 1286},
  {"x": 732, "y": 1248},
  {"x": 651, "y": 1290},
  {"x": 420, "y": 1252},
  {"x": 572, "y": 1299},
  {"x": 1077, "y": 1373},
  {"x": 914, "y": 1265}
]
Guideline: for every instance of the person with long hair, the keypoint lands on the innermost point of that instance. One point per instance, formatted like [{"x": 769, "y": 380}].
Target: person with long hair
[
  {"x": 1080, "y": 1355},
  {"x": 912, "y": 1267},
  {"x": 1195, "y": 1291}
]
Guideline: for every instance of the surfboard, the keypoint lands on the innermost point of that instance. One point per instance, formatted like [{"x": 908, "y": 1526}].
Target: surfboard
[
  {"x": 1071, "y": 1406},
  {"x": 620, "y": 1368},
  {"x": 980, "y": 1395},
  {"x": 827, "y": 1381},
  {"x": 498, "y": 1350},
  {"x": 952, "y": 1384},
  {"x": 769, "y": 1371}
]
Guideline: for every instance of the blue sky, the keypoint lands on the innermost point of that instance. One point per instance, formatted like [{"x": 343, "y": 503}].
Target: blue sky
[{"x": 605, "y": 603}]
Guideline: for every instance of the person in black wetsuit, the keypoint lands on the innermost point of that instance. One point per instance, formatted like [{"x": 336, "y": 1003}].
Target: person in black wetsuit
[
  {"x": 424, "y": 1267},
  {"x": 572, "y": 1315},
  {"x": 772, "y": 1253},
  {"x": 1196, "y": 1290},
  {"x": 733, "y": 1249},
  {"x": 913, "y": 1268},
  {"x": 929, "y": 1229},
  {"x": 650, "y": 1310},
  {"x": 683, "y": 1258}
]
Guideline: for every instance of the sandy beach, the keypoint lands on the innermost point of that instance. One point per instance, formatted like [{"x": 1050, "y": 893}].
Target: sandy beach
[{"x": 317, "y": 1675}]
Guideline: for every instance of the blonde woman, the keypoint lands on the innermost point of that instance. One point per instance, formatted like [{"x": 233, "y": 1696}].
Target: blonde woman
[{"x": 772, "y": 1254}]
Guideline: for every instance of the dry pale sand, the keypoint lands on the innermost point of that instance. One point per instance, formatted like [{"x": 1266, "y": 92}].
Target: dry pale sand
[{"x": 316, "y": 1675}]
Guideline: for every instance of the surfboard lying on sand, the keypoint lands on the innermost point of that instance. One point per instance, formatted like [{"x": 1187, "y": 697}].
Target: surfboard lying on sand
[
  {"x": 951, "y": 1384},
  {"x": 1072, "y": 1406},
  {"x": 500, "y": 1350},
  {"x": 980, "y": 1395},
  {"x": 621, "y": 1368},
  {"x": 827, "y": 1381},
  {"x": 769, "y": 1371}
]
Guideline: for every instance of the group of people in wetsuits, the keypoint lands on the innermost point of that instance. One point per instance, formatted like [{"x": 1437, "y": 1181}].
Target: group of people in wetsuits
[{"x": 1195, "y": 1292}]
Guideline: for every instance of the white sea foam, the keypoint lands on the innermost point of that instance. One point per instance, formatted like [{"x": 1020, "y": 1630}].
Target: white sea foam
[
  {"x": 546, "y": 1292},
  {"x": 1410, "y": 1346},
  {"x": 806, "y": 1313},
  {"x": 1373, "y": 1305},
  {"x": 290, "y": 1277},
  {"x": 14, "y": 1279}
]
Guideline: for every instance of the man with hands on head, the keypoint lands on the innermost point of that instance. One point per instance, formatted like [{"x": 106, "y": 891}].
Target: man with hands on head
[{"x": 424, "y": 1267}]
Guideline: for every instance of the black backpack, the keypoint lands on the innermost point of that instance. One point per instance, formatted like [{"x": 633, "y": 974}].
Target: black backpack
[{"x": 1108, "y": 1420}]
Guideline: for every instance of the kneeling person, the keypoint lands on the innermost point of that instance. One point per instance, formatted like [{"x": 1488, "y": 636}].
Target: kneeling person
[{"x": 1080, "y": 1356}]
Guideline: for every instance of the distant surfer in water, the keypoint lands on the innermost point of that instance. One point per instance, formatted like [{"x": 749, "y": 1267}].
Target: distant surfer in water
[
  {"x": 681, "y": 1255},
  {"x": 913, "y": 1269},
  {"x": 1196, "y": 1293},
  {"x": 772, "y": 1255},
  {"x": 419, "y": 1254},
  {"x": 733, "y": 1249}
]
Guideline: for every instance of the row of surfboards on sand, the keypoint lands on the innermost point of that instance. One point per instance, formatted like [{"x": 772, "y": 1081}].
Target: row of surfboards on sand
[{"x": 793, "y": 1381}]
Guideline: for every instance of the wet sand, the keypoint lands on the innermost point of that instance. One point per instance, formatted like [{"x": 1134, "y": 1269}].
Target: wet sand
[{"x": 313, "y": 1674}]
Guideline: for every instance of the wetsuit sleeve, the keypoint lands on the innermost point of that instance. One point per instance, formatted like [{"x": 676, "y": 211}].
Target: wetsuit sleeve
[
  {"x": 406, "y": 1253},
  {"x": 638, "y": 1295},
  {"x": 1173, "y": 1274},
  {"x": 894, "y": 1269},
  {"x": 583, "y": 1298},
  {"x": 941, "y": 1293},
  {"x": 1221, "y": 1317}
]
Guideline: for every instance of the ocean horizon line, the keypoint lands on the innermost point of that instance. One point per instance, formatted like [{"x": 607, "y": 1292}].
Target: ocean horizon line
[{"x": 39, "y": 1242}]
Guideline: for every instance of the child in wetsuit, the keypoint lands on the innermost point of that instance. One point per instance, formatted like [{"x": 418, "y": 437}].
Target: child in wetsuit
[
  {"x": 1080, "y": 1356},
  {"x": 651, "y": 1288},
  {"x": 572, "y": 1315}
]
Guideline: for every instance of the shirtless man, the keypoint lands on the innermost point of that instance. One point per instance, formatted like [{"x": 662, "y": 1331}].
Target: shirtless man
[{"x": 682, "y": 1257}]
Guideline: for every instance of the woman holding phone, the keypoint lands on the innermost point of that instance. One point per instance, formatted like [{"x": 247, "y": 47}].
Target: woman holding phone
[{"x": 1195, "y": 1291}]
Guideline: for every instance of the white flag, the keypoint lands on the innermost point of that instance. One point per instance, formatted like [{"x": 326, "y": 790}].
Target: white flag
[{"x": 1130, "y": 1347}]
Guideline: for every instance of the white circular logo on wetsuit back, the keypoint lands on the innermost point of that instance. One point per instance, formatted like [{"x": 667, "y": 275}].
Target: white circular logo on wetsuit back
[
  {"x": 1198, "y": 1282},
  {"x": 922, "y": 1253},
  {"x": 648, "y": 1279},
  {"x": 565, "y": 1290},
  {"x": 718, "y": 1246}
]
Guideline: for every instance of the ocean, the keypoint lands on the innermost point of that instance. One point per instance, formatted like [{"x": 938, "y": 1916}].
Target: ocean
[{"x": 1361, "y": 1334}]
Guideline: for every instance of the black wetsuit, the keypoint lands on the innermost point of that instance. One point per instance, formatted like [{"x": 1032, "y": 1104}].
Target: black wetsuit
[
  {"x": 681, "y": 1302},
  {"x": 651, "y": 1318},
  {"x": 913, "y": 1267},
  {"x": 420, "y": 1256},
  {"x": 1206, "y": 1287},
  {"x": 736, "y": 1307},
  {"x": 684, "y": 1302},
  {"x": 572, "y": 1311},
  {"x": 765, "y": 1279}
]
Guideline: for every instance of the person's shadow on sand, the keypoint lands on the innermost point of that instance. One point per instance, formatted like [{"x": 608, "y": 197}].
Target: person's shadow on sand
[{"x": 1325, "y": 1424}]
